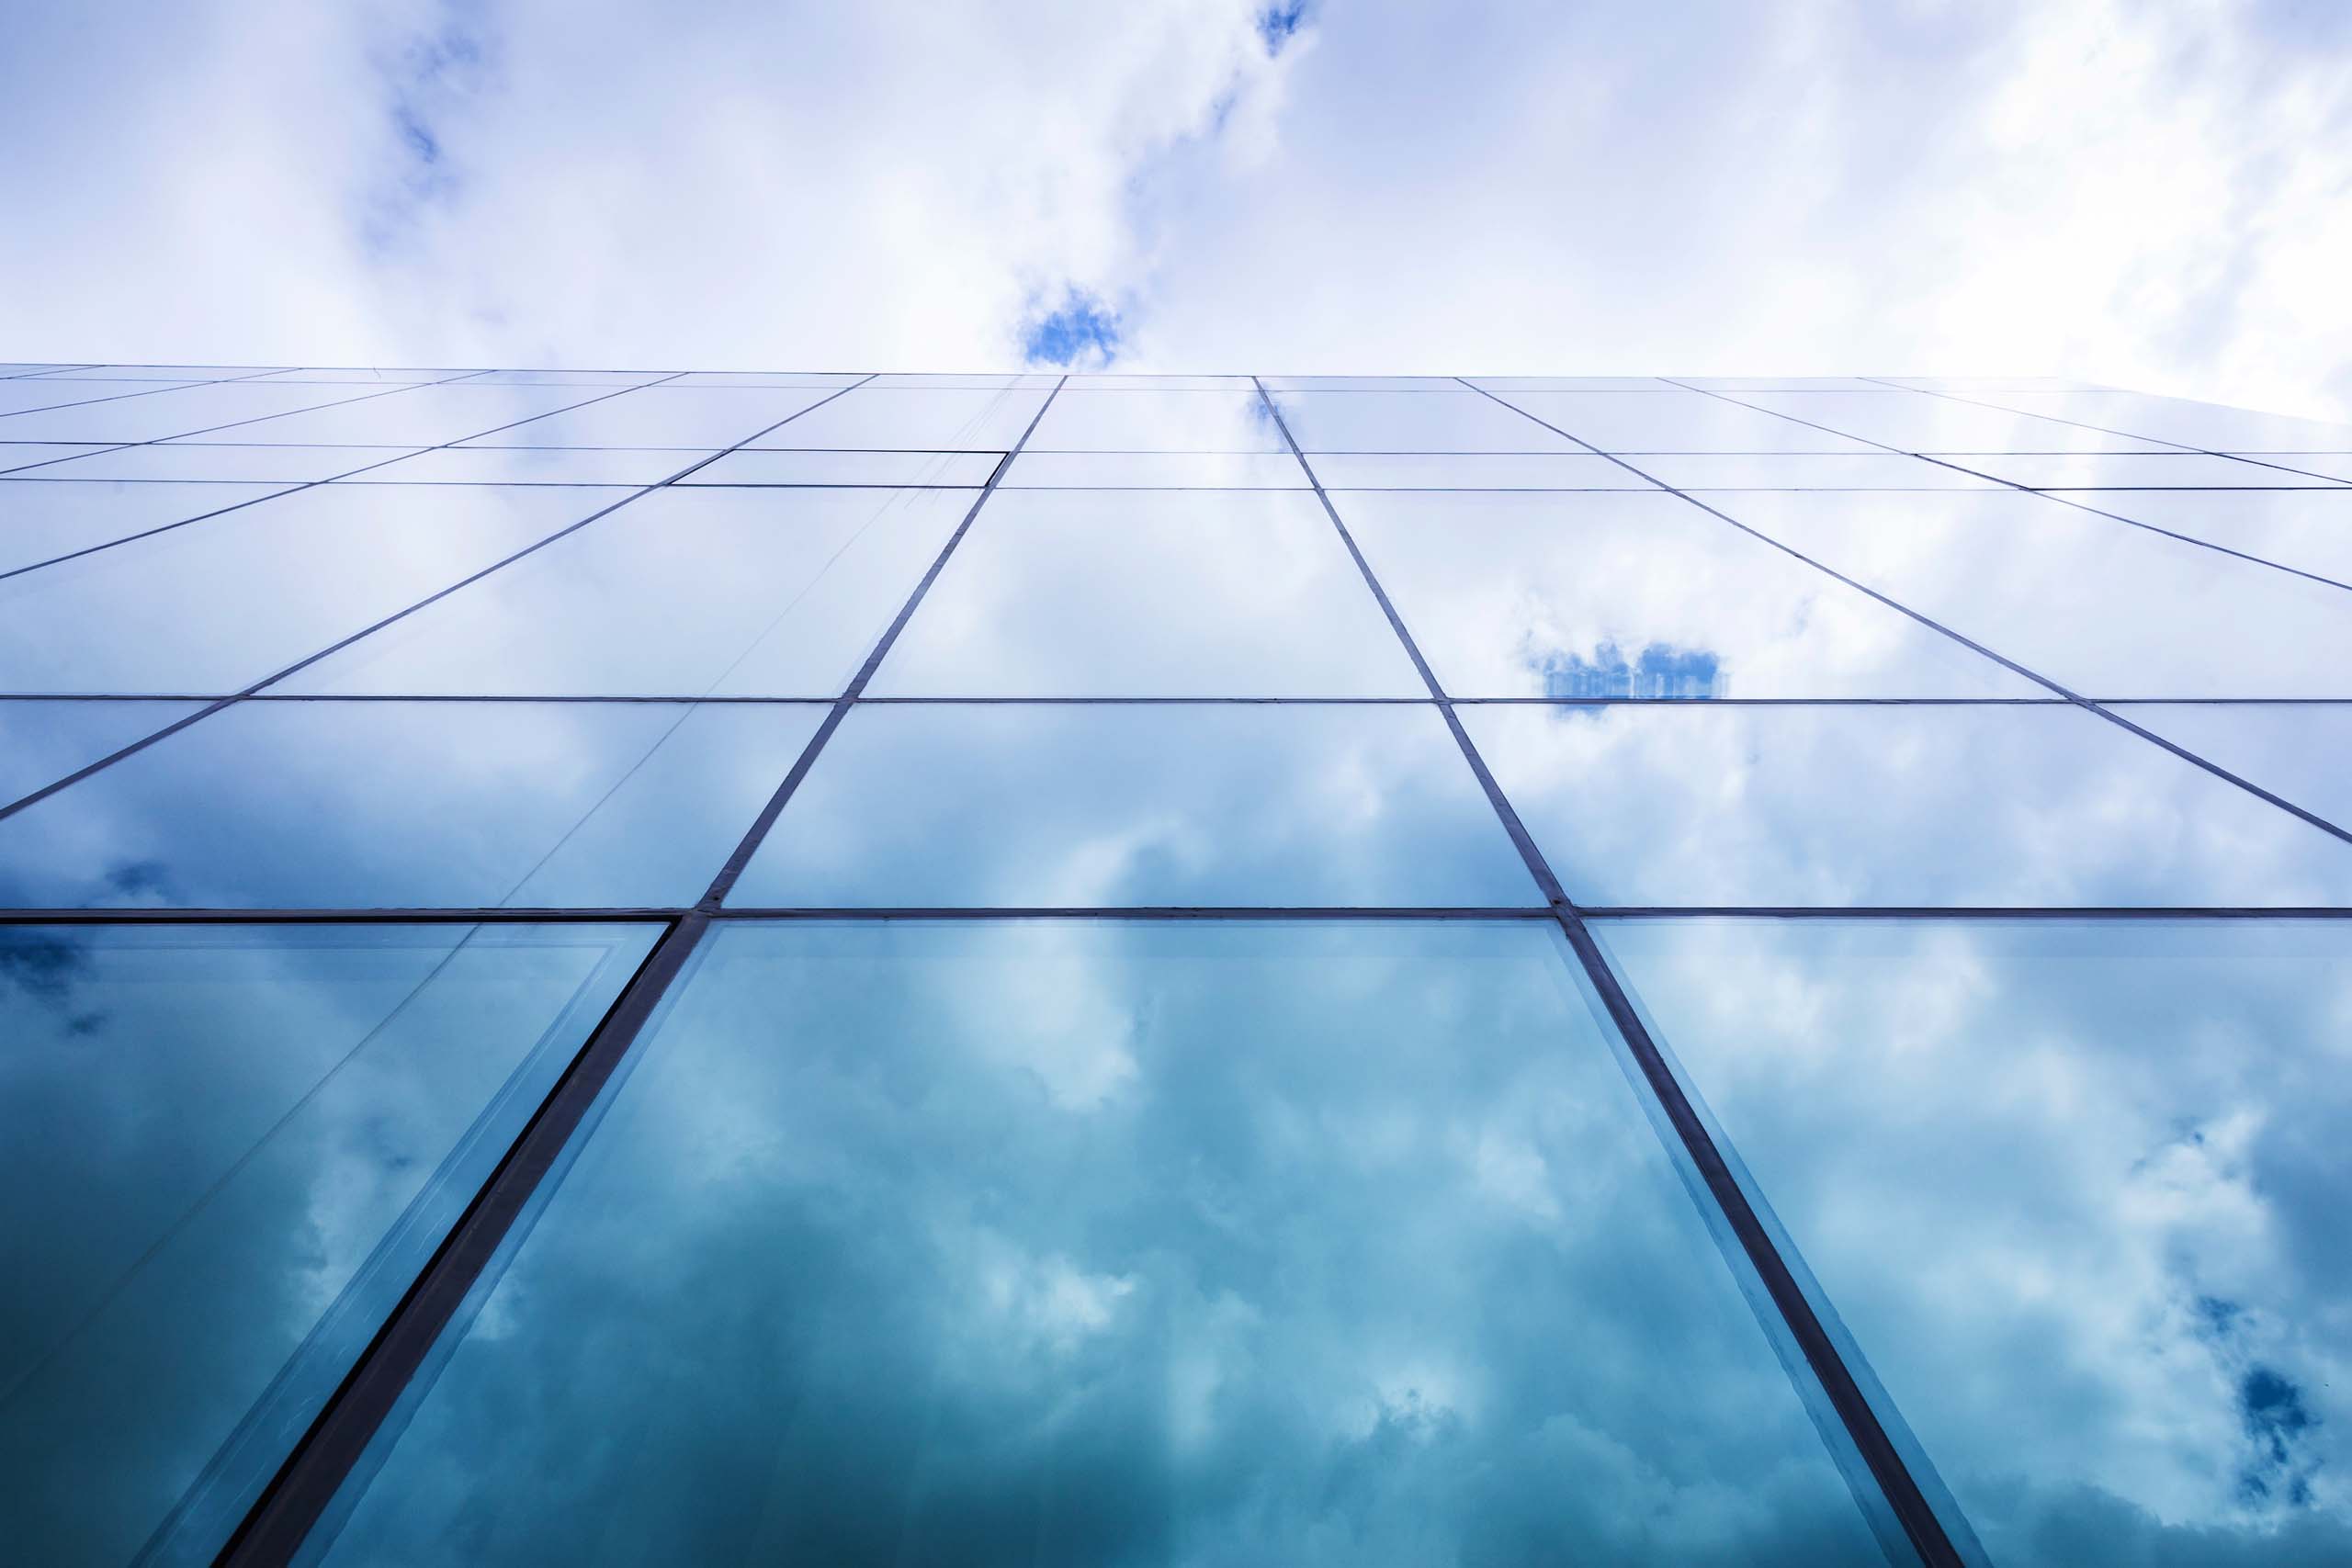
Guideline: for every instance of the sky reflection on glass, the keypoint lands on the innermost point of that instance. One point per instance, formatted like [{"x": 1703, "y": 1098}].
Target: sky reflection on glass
[
  {"x": 1090, "y": 1244},
  {"x": 2077, "y": 1193},
  {"x": 1617, "y": 594},
  {"x": 42, "y": 519},
  {"x": 375, "y": 805},
  {"x": 2010, "y": 805},
  {"x": 227, "y": 1151},
  {"x": 1112, "y": 806}
]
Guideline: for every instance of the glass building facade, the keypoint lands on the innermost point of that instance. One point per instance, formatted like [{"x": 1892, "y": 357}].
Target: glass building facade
[{"x": 616, "y": 967}]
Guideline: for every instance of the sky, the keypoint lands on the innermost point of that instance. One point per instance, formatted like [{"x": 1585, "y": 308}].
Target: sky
[{"x": 2156, "y": 195}]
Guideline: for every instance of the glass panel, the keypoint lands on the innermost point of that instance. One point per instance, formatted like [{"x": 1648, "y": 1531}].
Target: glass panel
[
  {"x": 1835, "y": 470},
  {"x": 1160, "y": 383},
  {"x": 2077, "y": 1189},
  {"x": 380, "y": 804},
  {"x": 1084, "y": 1243},
  {"x": 733, "y": 593},
  {"x": 2207, "y": 425},
  {"x": 191, "y": 461},
  {"x": 1078, "y": 805},
  {"x": 963, "y": 382},
  {"x": 827, "y": 379},
  {"x": 1674, "y": 422},
  {"x": 968, "y": 470},
  {"x": 1155, "y": 470},
  {"x": 18, "y": 456},
  {"x": 697, "y": 417},
  {"x": 1474, "y": 471},
  {"x": 1359, "y": 383},
  {"x": 2140, "y": 470},
  {"x": 569, "y": 378},
  {"x": 421, "y": 416},
  {"x": 2296, "y": 750},
  {"x": 535, "y": 464},
  {"x": 41, "y": 740},
  {"x": 1620, "y": 594},
  {"x": 180, "y": 410},
  {"x": 2310, "y": 530},
  {"x": 2103, "y": 608},
  {"x": 1138, "y": 420},
  {"x": 1766, "y": 383},
  {"x": 365, "y": 373},
  {"x": 2007, "y": 805},
  {"x": 228, "y": 1150},
  {"x": 42, "y": 519},
  {"x": 1917, "y": 422},
  {"x": 915, "y": 418},
  {"x": 230, "y": 602},
  {"x": 2324, "y": 465},
  {"x": 159, "y": 372},
  {"x": 1459, "y": 420},
  {"x": 1508, "y": 384},
  {"x": 1072, "y": 593},
  {"x": 1977, "y": 384}
]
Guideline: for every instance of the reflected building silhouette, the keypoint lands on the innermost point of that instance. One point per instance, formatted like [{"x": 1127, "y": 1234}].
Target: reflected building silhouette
[{"x": 1660, "y": 670}]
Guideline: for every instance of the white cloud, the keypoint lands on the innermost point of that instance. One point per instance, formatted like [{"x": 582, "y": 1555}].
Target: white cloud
[{"x": 2142, "y": 193}]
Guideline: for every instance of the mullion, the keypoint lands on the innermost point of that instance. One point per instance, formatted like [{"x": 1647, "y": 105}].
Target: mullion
[{"x": 1896, "y": 1484}]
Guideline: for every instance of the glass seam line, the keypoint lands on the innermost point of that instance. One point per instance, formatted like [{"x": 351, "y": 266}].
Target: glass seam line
[
  {"x": 118, "y": 397},
  {"x": 1947, "y": 460},
  {"x": 1896, "y": 1483},
  {"x": 305, "y": 662},
  {"x": 282, "y": 1518},
  {"x": 2086, "y": 703}
]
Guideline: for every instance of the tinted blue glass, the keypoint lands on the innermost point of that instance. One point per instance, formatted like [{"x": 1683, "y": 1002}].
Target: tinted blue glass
[
  {"x": 916, "y": 418},
  {"x": 1155, "y": 470},
  {"x": 1149, "y": 593},
  {"x": 420, "y": 416},
  {"x": 2076, "y": 1190},
  {"x": 2306, "y": 529},
  {"x": 2011, "y": 806},
  {"x": 2327, "y": 465},
  {"x": 889, "y": 468},
  {"x": 410, "y": 804},
  {"x": 1675, "y": 421},
  {"x": 41, "y": 740},
  {"x": 2100, "y": 607},
  {"x": 1802, "y": 470},
  {"x": 916, "y": 804},
  {"x": 1624, "y": 594},
  {"x": 2138, "y": 470},
  {"x": 1456, "y": 421},
  {"x": 630, "y": 465},
  {"x": 1474, "y": 470},
  {"x": 225, "y": 603},
  {"x": 42, "y": 519},
  {"x": 174, "y": 410},
  {"x": 1086, "y": 1243},
  {"x": 2296, "y": 750},
  {"x": 15, "y": 456},
  {"x": 227, "y": 1151},
  {"x": 704, "y": 417},
  {"x": 194, "y": 460},
  {"x": 756, "y": 593},
  {"x": 1158, "y": 420}
]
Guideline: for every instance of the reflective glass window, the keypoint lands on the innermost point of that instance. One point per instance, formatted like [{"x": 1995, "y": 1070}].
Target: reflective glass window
[
  {"x": 191, "y": 460},
  {"x": 44, "y": 739},
  {"x": 1080, "y": 804},
  {"x": 1617, "y": 594},
  {"x": 1149, "y": 593},
  {"x": 1138, "y": 420},
  {"x": 694, "y": 417},
  {"x": 1675, "y": 421},
  {"x": 714, "y": 592},
  {"x": 625, "y": 466},
  {"x": 1916, "y": 422},
  {"x": 2322, "y": 464},
  {"x": 392, "y": 805},
  {"x": 2137, "y": 470},
  {"x": 1474, "y": 470},
  {"x": 42, "y": 519},
  {"x": 420, "y": 416},
  {"x": 223, "y": 604},
  {"x": 2076, "y": 1192},
  {"x": 889, "y": 468},
  {"x": 1456, "y": 421},
  {"x": 1085, "y": 1242},
  {"x": 1820, "y": 471},
  {"x": 1033, "y": 469},
  {"x": 229, "y": 1149},
  {"x": 2186, "y": 422},
  {"x": 15, "y": 456},
  {"x": 2296, "y": 750},
  {"x": 177, "y": 411},
  {"x": 2310, "y": 530},
  {"x": 915, "y": 418},
  {"x": 1781, "y": 805}
]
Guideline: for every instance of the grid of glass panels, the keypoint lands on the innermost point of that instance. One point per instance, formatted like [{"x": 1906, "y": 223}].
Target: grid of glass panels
[{"x": 617, "y": 966}]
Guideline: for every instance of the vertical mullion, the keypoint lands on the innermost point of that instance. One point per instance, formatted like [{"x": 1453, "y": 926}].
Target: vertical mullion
[{"x": 1917, "y": 1519}]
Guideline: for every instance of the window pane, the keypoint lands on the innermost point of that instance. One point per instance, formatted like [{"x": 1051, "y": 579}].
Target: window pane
[
  {"x": 1474, "y": 471},
  {"x": 230, "y": 600},
  {"x": 1085, "y": 1242},
  {"x": 2325, "y": 465},
  {"x": 2075, "y": 1188},
  {"x": 1149, "y": 593},
  {"x": 1460, "y": 420},
  {"x": 375, "y": 805},
  {"x": 2138, "y": 471},
  {"x": 2102, "y": 608},
  {"x": 42, "y": 519},
  {"x": 1158, "y": 420},
  {"x": 1079, "y": 805},
  {"x": 1155, "y": 470},
  {"x": 421, "y": 416},
  {"x": 152, "y": 415},
  {"x": 228, "y": 1152},
  {"x": 628, "y": 466},
  {"x": 2307, "y": 530},
  {"x": 1827, "y": 470},
  {"x": 2296, "y": 750},
  {"x": 41, "y": 740},
  {"x": 17, "y": 456},
  {"x": 1917, "y": 423},
  {"x": 192, "y": 461},
  {"x": 736, "y": 592},
  {"x": 1613, "y": 595},
  {"x": 698, "y": 417},
  {"x": 916, "y": 418},
  {"x": 2207, "y": 425},
  {"x": 894, "y": 469},
  {"x": 1674, "y": 422},
  {"x": 2011, "y": 806}
]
